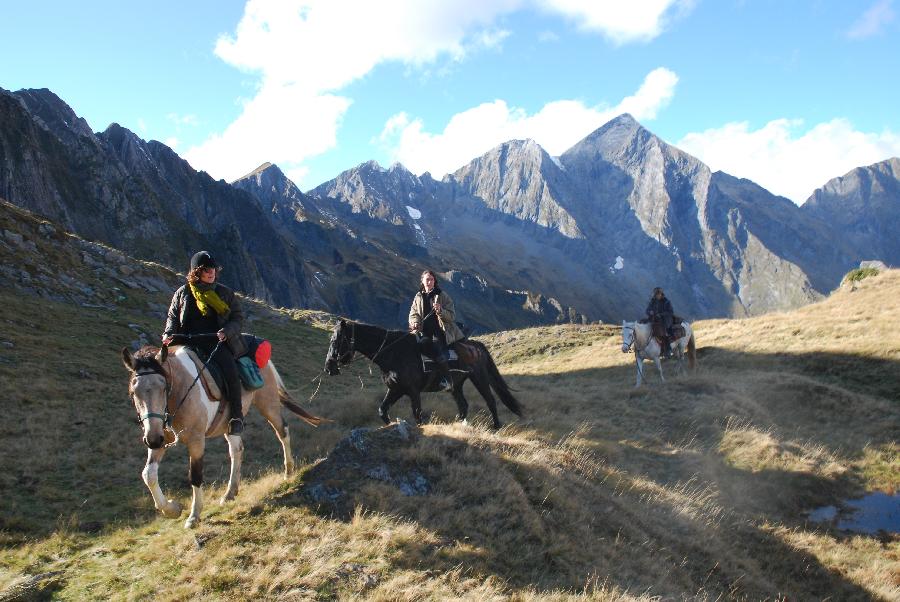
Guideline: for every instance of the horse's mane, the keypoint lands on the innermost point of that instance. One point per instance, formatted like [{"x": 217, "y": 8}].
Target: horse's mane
[
  {"x": 388, "y": 331},
  {"x": 145, "y": 358}
]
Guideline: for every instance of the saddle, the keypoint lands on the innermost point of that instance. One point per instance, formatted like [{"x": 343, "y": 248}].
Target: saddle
[
  {"x": 659, "y": 331},
  {"x": 429, "y": 365},
  {"x": 461, "y": 354},
  {"x": 212, "y": 382}
]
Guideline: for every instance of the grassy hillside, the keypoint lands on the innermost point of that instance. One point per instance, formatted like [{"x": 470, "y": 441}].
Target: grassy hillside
[{"x": 696, "y": 489}]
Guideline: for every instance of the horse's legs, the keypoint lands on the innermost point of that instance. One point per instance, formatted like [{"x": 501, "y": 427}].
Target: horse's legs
[
  {"x": 169, "y": 508},
  {"x": 640, "y": 369},
  {"x": 196, "y": 447},
  {"x": 659, "y": 367},
  {"x": 462, "y": 404},
  {"x": 236, "y": 451},
  {"x": 415, "y": 400},
  {"x": 390, "y": 397},
  {"x": 276, "y": 420},
  {"x": 481, "y": 383}
]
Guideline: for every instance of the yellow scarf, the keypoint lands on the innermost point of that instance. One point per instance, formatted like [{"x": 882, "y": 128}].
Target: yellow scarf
[{"x": 207, "y": 299}]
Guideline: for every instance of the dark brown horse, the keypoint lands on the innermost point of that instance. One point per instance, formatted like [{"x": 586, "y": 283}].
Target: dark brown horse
[{"x": 397, "y": 354}]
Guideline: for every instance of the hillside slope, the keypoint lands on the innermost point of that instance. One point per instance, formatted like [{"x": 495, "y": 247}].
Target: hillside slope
[{"x": 699, "y": 489}]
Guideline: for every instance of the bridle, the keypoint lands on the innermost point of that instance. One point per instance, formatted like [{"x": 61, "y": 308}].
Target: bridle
[
  {"x": 627, "y": 347},
  {"x": 148, "y": 415},
  {"x": 168, "y": 417},
  {"x": 347, "y": 356}
]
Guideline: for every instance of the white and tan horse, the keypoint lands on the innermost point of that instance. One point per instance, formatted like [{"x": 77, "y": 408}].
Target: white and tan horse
[
  {"x": 173, "y": 406},
  {"x": 646, "y": 347}
]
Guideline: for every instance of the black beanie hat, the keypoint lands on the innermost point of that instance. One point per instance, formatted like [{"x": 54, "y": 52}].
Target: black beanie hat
[{"x": 203, "y": 259}]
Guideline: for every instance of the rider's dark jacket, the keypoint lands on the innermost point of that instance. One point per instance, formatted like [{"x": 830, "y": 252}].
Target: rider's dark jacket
[
  {"x": 231, "y": 322},
  {"x": 661, "y": 309}
]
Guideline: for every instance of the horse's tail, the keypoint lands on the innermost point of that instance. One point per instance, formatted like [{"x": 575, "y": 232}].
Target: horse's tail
[
  {"x": 497, "y": 382},
  {"x": 287, "y": 401},
  {"x": 692, "y": 352}
]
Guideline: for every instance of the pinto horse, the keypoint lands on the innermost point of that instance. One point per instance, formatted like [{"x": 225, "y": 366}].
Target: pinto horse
[
  {"x": 397, "y": 353},
  {"x": 173, "y": 406},
  {"x": 647, "y": 347}
]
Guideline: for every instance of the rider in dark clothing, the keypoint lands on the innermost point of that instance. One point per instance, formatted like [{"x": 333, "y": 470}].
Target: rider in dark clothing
[
  {"x": 223, "y": 317},
  {"x": 660, "y": 310}
]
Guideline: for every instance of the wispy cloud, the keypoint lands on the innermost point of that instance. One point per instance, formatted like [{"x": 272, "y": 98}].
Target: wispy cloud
[
  {"x": 183, "y": 120},
  {"x": 872, "y": 21},
  {"x": 556, "y": 127},
  {"x": 299, "y": 50},
  {"x": 786, "y": 158}
]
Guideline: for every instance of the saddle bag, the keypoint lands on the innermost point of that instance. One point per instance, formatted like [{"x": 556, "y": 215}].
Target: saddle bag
[{"x": 249, "y": 372}]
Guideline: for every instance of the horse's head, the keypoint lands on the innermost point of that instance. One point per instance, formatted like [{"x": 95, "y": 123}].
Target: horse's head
[
  {"x": 341, "y": 348},
  {"x": 627, "y": 336},
  {"x": 149, "y": 390}
]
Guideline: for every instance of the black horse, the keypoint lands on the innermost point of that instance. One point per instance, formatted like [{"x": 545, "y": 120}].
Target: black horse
[{"x": 397, "y": 354}]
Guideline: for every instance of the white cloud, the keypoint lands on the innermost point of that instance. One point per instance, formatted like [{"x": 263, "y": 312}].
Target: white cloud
[
  {"x": 787, "y": 159},
  {"x": 304, "y": 51},
  {"x": 619, "y": 21},
  {"x": 171, "y": 142},
  {"x": 282, "y": 124},
  {"x": 556, "y": 127},
  {"x": 871, "y": 22}
]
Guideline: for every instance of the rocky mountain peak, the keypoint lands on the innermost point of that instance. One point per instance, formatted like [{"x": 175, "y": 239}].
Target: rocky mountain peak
[{"x": 54, "y": 115}]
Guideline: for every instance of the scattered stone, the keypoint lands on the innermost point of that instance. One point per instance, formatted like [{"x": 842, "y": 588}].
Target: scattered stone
[
  {"x": 83, "y": 373},
  {"x": 89, "y": 260},
  {"x": 365, "y": 455},
  {"x": 13, "y": 237},
  {"x": 126, "y": 269},
  {"x": 200, "y": 539},
  {"x": 47, "y": 230},
  {"x": 37, "y": 587},
  {"x": 8, "y": 344}
]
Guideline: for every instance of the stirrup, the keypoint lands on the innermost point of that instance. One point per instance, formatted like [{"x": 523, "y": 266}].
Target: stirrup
[{"x": 235, "y": 426}]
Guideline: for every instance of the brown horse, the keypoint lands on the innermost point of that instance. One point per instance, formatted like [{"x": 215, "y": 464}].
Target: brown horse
[{"x": 174, "y": 406}]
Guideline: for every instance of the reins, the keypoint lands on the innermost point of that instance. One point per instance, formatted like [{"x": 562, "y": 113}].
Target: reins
[{"x": 168, "y": 417}]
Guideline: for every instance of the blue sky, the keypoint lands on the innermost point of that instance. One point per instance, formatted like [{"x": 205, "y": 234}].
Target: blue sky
[{"x": 788, "y": 94}]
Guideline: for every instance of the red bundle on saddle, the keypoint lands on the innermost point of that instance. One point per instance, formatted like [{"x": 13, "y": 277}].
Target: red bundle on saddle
[
  {"x": 258, "y": 349},
  {"x": 263, "y": 353}
]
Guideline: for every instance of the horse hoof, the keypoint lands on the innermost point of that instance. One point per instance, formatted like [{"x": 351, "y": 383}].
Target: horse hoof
[
  {"x": 226, "y": 498},
  {"x": 191, "y": 522},
  {"x": 172, "y": 510},
  {"x": 384, "y": 418},
  {"x": 288, "y": 470}
]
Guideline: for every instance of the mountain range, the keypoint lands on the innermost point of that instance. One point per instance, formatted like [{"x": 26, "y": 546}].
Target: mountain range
[{"x": 518, "y": 237}]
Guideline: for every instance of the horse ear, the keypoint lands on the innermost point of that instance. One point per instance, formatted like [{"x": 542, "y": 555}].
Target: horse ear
[
  {"x": 163, "y": 354},
  {"x": 128, "y": 359}
]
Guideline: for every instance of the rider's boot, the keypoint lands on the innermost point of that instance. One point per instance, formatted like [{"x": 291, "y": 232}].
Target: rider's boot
[
  {"x": 236, "y": 424},
  {"x": 443, "y": 368}
]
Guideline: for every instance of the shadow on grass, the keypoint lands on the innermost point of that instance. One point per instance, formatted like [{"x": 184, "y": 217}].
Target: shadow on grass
[{"x": 535, "y": 524}]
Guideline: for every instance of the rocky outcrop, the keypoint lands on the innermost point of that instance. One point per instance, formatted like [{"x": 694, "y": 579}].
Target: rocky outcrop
[{"x": 863, "y": 206}]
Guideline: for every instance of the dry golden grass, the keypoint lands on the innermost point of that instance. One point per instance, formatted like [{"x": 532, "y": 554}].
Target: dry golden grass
[{"x": 698, "y": 489}]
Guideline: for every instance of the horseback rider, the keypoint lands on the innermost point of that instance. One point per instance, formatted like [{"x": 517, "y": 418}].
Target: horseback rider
[
  {"x": 660, "y": 311},
  {"x": 204, "y": 306},
  {"x": 433, "y": 317}
]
